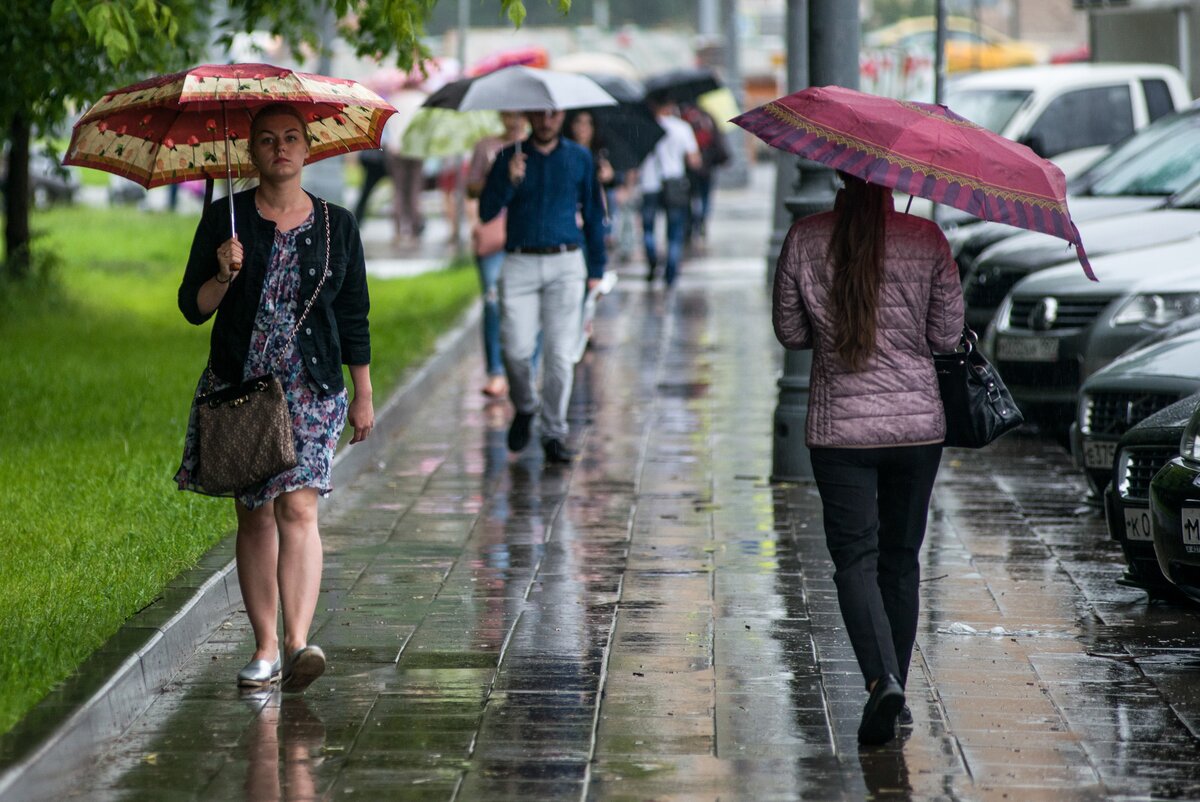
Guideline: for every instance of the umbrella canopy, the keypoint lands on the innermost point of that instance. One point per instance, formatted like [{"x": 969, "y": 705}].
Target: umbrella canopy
[
  {"x": 443, "y": 132},
  {"x": 175, "y": 127},
  {"x": 920, "y": 149},
  {"x": 596, "y": 63},
  {"x": 528, "y": 89},
  {"x": 683, "y": 85},
  {"x": 529, "y": 56},
  {"x": 627, "y": 131}
]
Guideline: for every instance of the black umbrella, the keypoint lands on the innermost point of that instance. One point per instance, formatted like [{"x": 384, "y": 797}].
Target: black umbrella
[
  {"x": 628, "y": 131},
  {"x": 683, "y": 85},
  {"x": 450, "y": 95}
]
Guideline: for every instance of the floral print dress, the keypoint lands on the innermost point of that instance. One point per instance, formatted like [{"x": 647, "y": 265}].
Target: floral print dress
[{"x": 317, "y": 420}]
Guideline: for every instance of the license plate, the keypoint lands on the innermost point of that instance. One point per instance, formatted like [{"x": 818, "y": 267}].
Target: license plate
[
  {"x": 1191, "y": 529},
  {"x": 1099, "y": 454},
  {"x": 1137, "y": 523},
  {"x": 1027, "y": 349}
]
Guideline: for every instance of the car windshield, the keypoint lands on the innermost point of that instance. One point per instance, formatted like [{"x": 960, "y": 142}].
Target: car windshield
[
  {"x": 991, "y": 108},
  {"x": 1168, "y": 165}
]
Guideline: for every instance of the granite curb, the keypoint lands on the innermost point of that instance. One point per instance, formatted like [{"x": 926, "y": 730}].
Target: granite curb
[{"x": 118, "y": 681}]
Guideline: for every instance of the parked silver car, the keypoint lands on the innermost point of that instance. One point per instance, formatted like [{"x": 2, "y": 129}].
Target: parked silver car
[
  {"x": 1056, "y": 327},
  {"x": 1138, "y": 174},
  {"x": 1133, "y": 387}
]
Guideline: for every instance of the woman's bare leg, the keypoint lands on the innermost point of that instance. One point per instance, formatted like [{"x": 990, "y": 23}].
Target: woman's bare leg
[
  {"x": 257, "y": 567},
  {"x": 300, "y": 561}
]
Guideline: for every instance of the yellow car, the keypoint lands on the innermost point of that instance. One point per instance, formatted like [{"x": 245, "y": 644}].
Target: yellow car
[{"x": 969, "y": 46}]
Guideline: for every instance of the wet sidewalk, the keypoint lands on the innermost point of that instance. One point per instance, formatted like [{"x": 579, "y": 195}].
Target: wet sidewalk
[{"x": 657, "y": 621}]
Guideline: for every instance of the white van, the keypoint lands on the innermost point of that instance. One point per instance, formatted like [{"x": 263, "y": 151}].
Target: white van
[{"x": 1069, "y": 113}]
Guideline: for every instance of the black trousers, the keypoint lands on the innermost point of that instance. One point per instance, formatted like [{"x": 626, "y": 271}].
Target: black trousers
[{"x": 876, "y": 504}]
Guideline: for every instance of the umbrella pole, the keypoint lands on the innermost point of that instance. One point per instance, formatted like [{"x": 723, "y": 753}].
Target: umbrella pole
[{"x": 228, "y": 171}]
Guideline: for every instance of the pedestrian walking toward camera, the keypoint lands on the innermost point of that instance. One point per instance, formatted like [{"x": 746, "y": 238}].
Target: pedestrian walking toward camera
[
  {"x": 873, "y": 293},
  {"x": 289, "y": 293},
  {"x": 487, "y": 241},
  {"x": 665, "y": 187},
  {"x": 550, "y": 262}
]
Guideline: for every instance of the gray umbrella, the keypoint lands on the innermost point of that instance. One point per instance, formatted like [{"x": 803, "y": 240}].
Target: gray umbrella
[{"x": 529, "y": 89}]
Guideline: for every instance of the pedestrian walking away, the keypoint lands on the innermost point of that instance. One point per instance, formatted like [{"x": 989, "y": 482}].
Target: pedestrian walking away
[
  {"x": 487, "y": 241},
  {"x": 665, "y": 187},
  {"x": 713, "y": 153},
  {"x": 407, "y": 172},
  {"x": 874, "y": 293},
  {"x": 548, "y": 188},
  {"x": 294, "y": 260}
]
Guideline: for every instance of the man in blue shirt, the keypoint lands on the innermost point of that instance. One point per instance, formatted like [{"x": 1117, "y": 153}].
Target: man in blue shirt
[{"x": 547, "y": 187}]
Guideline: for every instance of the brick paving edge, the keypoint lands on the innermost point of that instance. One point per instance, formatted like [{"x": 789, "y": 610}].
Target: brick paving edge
[{"x": 60, "y": 734}]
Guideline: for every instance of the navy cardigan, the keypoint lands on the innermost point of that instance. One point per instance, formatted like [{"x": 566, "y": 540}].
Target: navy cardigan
[{"x": 336, "y": 330}]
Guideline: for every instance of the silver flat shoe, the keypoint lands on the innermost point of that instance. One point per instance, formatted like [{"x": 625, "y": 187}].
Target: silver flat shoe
[
  {"x": 302, "y": 668},
  {"x": 259, "y": 673}
]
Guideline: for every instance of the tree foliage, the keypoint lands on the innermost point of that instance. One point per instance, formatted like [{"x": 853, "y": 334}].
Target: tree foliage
[{"x": 59, "y": 55}]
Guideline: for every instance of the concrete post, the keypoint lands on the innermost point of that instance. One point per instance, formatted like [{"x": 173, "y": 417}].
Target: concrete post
[
  {"x": 736, "y": 173},
  {"x": 832, "y": 52}
]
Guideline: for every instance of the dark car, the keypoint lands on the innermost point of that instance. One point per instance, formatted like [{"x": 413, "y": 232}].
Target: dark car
[
  {"x": 1141, "y": 453},
  {"x": 49, "y": 182},
  {"x": 1175, "y": 512},
  {"x": 1155, "y": 374}
]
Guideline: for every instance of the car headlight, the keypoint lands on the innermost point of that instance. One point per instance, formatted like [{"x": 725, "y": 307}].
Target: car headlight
[
  {"x": 1189, "y": 446},
  {"x": 1000, "y": 319},
  {"x": 1083, "y": 416},
  {"x": 1157, "y": 309}
]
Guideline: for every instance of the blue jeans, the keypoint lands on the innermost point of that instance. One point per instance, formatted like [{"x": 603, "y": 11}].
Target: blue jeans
[
  {"x": 676, "y": 228},
  {"x": 489, "y": 280}
]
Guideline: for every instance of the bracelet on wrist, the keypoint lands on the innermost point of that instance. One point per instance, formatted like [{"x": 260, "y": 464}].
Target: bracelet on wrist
[{"x": 226, "y": 281}]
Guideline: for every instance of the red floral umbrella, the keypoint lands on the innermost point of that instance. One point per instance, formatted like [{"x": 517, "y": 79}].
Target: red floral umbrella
[
  {"x": 924, "y": 150},
  {"x": 194, "y": 124}
]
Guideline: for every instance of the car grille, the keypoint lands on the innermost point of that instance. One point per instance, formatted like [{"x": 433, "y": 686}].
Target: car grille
[
  {"x": 1073, "y": 313},
  {"x": 1039, "y": 374},
  {"x": 1139, "y": 466},
  {"x": 1114, "y": 413},
  {"x": 985, "y": 288}
]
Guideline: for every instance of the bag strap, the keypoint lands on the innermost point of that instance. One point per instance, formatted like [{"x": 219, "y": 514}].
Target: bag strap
[{"x": 320, "y": 284}]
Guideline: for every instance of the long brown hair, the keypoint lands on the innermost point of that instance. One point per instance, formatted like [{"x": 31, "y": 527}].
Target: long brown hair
[{"x": 856, "y": 250}]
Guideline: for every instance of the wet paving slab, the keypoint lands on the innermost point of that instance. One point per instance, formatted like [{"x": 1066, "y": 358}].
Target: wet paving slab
[{"x": 658, "y": 621}]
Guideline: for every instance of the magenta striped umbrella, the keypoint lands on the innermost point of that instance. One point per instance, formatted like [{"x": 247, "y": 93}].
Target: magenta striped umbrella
[{"x": 921, "y": 149}]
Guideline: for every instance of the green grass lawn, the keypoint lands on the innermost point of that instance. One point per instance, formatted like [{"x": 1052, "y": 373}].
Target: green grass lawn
[{"x": 99, "y": 367}]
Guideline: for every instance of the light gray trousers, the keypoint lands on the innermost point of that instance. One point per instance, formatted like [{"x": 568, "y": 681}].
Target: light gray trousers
[{"x": 542, "y": 293}]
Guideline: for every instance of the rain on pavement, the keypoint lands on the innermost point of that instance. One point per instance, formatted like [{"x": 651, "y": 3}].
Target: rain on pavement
[{"x": 658, "y": 621}]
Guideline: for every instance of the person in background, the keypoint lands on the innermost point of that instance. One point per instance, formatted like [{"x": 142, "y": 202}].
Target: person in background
[
  {"x": 665, "y": 187},
  {"x": 547, "y": 188},
  {"x": 874, "y": 293},
  {"x": 713, "y": 154},
  {"x": 407, "y": 173},
  {"x": 258, "y": 284},
  {"x": 487, "y": 242},
  {"x": 374, "y": 166}
]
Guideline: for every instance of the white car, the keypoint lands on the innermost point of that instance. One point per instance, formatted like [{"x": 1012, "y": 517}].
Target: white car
[{"x": 1069, "y": 113}]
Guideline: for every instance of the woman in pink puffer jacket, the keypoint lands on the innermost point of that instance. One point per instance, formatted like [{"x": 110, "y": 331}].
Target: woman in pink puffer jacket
[{"x": 874, "y": 293}]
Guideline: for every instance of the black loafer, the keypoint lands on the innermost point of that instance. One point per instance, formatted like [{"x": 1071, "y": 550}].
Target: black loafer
[
  {"x": 518, "y": 433},
  {"x": 879, "y": 715},
  {"x": 556, "y": 452}
]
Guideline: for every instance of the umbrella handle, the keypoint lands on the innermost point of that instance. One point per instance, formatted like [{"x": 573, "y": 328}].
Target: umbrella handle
[{"x": 229, "y": 181}]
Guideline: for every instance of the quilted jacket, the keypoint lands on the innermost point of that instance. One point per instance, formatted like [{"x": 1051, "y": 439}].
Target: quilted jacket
[{"x": 894, "y": 400}]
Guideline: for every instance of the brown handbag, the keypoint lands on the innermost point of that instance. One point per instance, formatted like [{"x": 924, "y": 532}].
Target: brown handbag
[{"x": 245, "y": 430}]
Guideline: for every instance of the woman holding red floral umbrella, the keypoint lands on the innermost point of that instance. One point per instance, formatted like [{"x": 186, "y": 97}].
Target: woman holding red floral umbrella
[{"x": 292, "y": 251}]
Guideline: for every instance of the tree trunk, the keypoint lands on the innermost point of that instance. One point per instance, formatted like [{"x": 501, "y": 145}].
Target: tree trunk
[{"x": 16, "y": 199}]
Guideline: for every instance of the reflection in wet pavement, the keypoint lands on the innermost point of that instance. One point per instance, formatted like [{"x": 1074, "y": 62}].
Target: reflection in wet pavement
[{"x": 658, "y": 622}]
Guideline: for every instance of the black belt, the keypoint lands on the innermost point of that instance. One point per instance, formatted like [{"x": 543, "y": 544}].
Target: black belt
[{"x": 549, "y": 249}]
